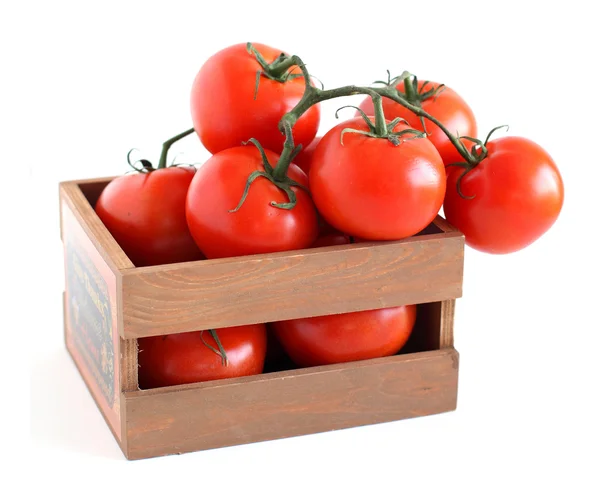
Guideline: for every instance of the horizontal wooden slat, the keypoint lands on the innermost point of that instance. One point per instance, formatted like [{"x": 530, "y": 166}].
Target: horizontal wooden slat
[
  {"x": 290, "y": 403},
  {"x": 280, "y": 286}
]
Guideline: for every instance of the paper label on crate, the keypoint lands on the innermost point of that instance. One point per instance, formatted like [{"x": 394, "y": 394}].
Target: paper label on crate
[{"x": 90, "y": 314}]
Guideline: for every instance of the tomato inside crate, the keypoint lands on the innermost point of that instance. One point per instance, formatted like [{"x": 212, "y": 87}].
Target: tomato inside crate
[{"x": 180, "y": 357}]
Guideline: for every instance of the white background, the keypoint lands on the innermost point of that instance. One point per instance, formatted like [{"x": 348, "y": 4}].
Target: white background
[{"x": 84, "y": 82}]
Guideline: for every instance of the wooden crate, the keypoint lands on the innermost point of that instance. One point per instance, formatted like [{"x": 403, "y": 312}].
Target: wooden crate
[{"x": 109, "y": 303}]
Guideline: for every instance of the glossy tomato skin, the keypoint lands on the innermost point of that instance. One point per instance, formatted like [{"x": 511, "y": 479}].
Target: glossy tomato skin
[
  {"x": 448, "y": 107},
  {"x": 257, "y": 227},
  {"x": 225, "y": 113},
  {"x": 145, "y": 213},
  {"x": 370, "y": 188},
  {"x": 181, "y": 358},
  {"x": 346, "y": 337},
  {"x": 304, "y": 158},
  {"x": 518, "y": 196}
]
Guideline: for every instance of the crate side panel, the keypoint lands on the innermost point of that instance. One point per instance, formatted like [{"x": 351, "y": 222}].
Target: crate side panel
[
  {"x": 254, "y": 289},
  {"x": 291, "y": 403},
  {"x": 90, "y": 311}
]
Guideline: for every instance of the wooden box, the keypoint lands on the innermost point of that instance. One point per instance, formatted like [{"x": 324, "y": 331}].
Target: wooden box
[{"x": 109, "y": 303}]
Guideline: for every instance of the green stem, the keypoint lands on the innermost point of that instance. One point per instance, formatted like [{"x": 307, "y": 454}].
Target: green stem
[
  {"x": 285, "y": 159},
  {"x": 277, "y": 70},
  {"x": 167, "y": 144},
  {"x": 409, "y": 90},
  {"x": 313, "y": 95},
  {"x": 380, "y": 123}
]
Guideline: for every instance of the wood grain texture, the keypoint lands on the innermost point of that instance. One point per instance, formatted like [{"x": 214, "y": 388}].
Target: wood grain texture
[
  {"x": 128, "y": 367},
  {"x": 101, "y": 238},
  {"x": 92, "y": 188},
  {"x": 280, "y": 286},
  {"x": 447, "y": 323},
  {"x": 444, "y": 225},
  {"x": 289, "y": 403},
  {"x": 129, "y": 364}
]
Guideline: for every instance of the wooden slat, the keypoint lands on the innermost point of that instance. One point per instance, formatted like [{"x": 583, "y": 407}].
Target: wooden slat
[
  {"x": 279, "y": 286},
  {"x": 447, "y": 323},
  {"x": 128, "y": 367},
  {"x": 289, "y": 403},
  {"x": 129, "y": 364},
  {"x": 93, "y": 226},
  {"x": 444, "y": 225}
]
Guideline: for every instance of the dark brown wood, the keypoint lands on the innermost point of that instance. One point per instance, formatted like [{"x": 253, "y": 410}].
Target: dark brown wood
[
  {"x": 279, "y": 286},
  {"x": 289, "y": 403}
]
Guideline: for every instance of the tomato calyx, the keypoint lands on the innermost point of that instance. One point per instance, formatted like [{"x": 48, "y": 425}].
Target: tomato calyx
[
  {"x": 146, "y": 165},
  {"x": 379, "y": 128},
  {"x": 220, "y": 351},
  {"x": 476, "y": 154},
  {"x": 276, "y": 175},
  {"x": 279, "y": 70},
  {"x": 412, "y": 93}
]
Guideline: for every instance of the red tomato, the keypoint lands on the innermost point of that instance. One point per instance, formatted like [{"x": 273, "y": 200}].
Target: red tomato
[
  {"x": 518, "y": 196},
  {"x": 185, "y": 358},
  {"x": 305, "y": 156},
  {"x": 370, "y": 188},
  {"x": 346, "y": 337},
  {"x": 257, "y": 227},
  {"x": 447, "y": 106},
  {"x": 225, "y": 113},
  {"x": 145, "y": 213}
]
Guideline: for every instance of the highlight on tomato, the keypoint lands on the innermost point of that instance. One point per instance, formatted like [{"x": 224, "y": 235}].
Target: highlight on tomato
[
  {"x": 200, "y": 356},
  {"x": 346, "y": 337},
  {"x": 507, "y": 198},
  {"x": 377, "y": 182},
  {"x": 242, "y": 92}
]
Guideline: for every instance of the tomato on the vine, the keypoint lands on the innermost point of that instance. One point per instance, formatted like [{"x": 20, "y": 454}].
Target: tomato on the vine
[
  {"x": 508, "y": 200},
  {"x": 346, "y": 337},
  {"x": 227, "y": 108},
  {"x": 374, "y": 189},
  {"x": 442, "y": 103},
  {"x": 192, "y": 357},
  {"x": 145, "y": 213},
  {"x": 257, "y": 226}
]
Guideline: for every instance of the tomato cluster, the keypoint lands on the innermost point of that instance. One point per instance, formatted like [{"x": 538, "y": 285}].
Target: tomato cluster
[{"x": 271, "y": 185}]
